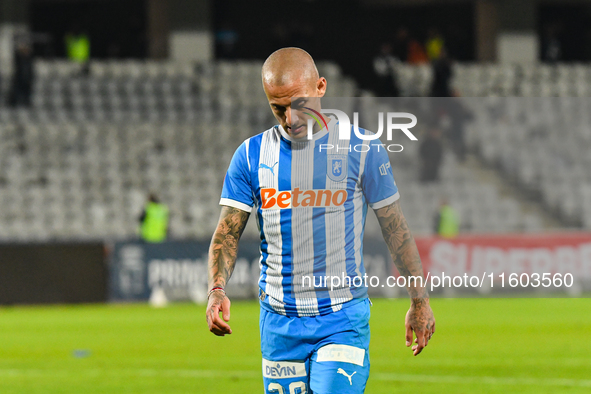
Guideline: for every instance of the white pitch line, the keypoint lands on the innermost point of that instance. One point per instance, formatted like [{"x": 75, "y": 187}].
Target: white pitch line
[
  {"x": 480, "y": 379},
  {"x": 249, "y": 374}
]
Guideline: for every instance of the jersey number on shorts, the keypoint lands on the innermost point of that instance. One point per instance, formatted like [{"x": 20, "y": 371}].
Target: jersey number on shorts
[{"x": 294, "y": 388}]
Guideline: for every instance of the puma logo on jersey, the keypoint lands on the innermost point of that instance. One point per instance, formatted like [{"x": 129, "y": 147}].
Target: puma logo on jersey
[
  {"x": 342, "y": 372},
  {"x": 266, "y": 167},
  {"x": 321, "y": 198}
]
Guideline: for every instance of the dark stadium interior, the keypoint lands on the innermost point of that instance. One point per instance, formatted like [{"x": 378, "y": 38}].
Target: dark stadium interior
[
  {"x": 117, "y": 28},
  {"x": 332, "y": 29}
]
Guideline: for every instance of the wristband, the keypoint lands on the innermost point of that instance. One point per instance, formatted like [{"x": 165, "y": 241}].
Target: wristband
[{"x": 215, "y": 289}]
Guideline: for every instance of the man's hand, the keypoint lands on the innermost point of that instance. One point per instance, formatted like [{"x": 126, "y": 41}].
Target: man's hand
[
  {"x": 419, "y": 319},
  {"x": 222, "y": 258},
  {"x": 218, "y": 302}
]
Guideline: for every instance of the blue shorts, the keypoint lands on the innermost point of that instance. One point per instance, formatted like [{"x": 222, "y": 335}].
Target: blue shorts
[{"x": 316, "y": 354}]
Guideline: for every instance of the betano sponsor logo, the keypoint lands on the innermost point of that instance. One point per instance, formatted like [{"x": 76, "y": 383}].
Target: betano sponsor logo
[{"x": 319, "y": 198}]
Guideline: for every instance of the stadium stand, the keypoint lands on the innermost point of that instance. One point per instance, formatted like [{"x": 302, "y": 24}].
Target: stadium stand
[
  {"x": 514, "y": 135},
  {"x": 78, "y": 164}
]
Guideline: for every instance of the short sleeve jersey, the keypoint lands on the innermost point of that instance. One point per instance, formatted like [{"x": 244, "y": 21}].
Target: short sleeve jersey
[{"x": 311, "y": 198}]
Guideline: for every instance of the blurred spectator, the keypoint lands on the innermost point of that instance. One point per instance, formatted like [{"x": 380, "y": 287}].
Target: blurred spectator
[
  {"x": 226, "y": 38},
  {"x": 431, "y": 155},
  {"x": 78, "y": 47},
  {"x": 416, "y": 53},
  {"x": 551, "y": 46},
  {"x": 434, "y": 44},
  {"x": 458, "y": 116},
  {"x": 154, "y": 220},
  {"x": 384, "y": 67},
  {"x": 400, "y": 49},
  {"x": 446, "y": 222},
  {"x": 22, "y": 80},
  {"x": 442, "y": 73}
]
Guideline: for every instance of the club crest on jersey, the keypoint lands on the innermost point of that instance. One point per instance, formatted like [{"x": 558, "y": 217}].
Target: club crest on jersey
[{"x": 337, "y": 167}]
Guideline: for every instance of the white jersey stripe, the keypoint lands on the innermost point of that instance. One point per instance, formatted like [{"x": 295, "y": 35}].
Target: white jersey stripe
[
  {"x": 336, "y": 260},
  {"x": 269, "y": 155},
  {"x": 247, "y": 142},
  {"x": 302, "y": 176},
  {"x": 358, "y": 216}
]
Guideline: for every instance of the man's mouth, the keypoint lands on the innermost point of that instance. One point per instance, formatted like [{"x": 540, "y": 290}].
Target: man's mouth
[{"x": 297, "y": 130}]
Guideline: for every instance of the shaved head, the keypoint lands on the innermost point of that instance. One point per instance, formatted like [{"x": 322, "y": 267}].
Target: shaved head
[
  {"x": 290, "y": 73},
  {"x": 288, "y": 65}
]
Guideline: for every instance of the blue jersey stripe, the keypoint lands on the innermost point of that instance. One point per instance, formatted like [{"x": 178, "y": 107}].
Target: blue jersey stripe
[
  {"x": 285, "y": 184},
  {"x": 350, "y": 214},
  {"x": 254, "y": 159}
]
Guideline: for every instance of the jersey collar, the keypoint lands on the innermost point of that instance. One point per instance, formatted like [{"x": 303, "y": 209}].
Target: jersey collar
[{"x": 315, "y": 136}]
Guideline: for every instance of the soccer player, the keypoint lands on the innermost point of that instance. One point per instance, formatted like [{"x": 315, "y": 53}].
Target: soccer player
[{"x": 311, "y": 205}]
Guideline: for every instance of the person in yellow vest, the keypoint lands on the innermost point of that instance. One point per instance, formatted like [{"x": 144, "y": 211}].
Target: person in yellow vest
[
  {"x": 447, "y": 224},
  {"x": 78, "y": 48},
  {"x": 154, "y": 221},
  {"x": 434, "y": 44}
]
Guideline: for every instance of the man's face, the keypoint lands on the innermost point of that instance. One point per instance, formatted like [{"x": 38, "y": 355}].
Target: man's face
[{"x": 288, "y": 104}]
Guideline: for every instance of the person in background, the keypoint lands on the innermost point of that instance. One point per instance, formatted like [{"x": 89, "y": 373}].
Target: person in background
[
  {"x": 384, "y": 67},
  {"x": 78, "y": 47},
  {"x": 400, "y": 48},
  {"x": 431, "y": 154},
  {"x": 442, "y": 74},
  {"x": 416, "y": 53},
  {"x": 22, "y": 82},
  {"x": 434, "y": 44},
  {"x": 154, "y": 220},
  {"x": 226, "y": 40},
  {"x": 459, "y": 116},
  {"x": 447, "y": 223},
  {"x": 551, "y": 45}
]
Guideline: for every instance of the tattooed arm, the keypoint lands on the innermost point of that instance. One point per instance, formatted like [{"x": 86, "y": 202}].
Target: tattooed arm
[
  {"x": 222, "y": 258},
  {"x": 408, "y": 262}
]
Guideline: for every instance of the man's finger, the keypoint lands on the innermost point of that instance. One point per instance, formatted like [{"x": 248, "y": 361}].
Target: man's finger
[
  {"x": 420, "y": 342},
  {"x": 210, "y": 313},
  {"x": 216, "y": 320},
  {"x": 408, "y": 336},
  {"x": 226, "y": 309},
  {"x": 218, "y": 332}
]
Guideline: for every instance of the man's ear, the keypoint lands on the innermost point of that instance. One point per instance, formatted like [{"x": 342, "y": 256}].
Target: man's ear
[{"x": 321, "y": 86}]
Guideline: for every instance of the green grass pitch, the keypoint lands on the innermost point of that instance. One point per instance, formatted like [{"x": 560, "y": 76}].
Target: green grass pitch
[{"x": 481, "y": 346}]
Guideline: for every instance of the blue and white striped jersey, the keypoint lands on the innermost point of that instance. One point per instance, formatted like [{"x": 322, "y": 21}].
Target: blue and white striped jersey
[{"x": 311, "y": 199}]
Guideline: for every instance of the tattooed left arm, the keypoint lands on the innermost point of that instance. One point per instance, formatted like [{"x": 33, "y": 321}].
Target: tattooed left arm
[{"x": 406, "y": 257}]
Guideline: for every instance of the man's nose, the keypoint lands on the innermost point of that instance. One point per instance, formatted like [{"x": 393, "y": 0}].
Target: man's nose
[
  {"x": 288, "y": 116},
  {"x": 291, "y": 117}
]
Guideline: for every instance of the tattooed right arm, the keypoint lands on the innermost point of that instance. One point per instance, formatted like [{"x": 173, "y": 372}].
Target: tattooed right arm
[
  {"x": 222, "y": 258},
  {"x": 224, "y": 245}
]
